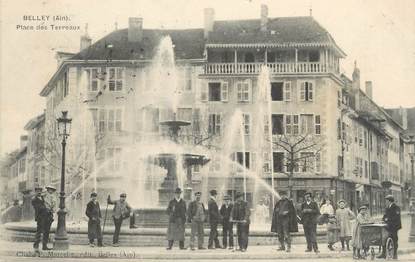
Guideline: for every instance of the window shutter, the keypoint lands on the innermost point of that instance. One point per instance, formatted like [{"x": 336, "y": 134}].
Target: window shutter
[
  {"x": 288, "y": 125},
  {"x": 302, "y": 91},
  {"x": 287, "y": 91},
  {"x": 253, "y": 161},
  {"x": 249, "y": 83},
  {"x": 239, "y": 91},
  {"x": 310, "y": 91},
  {"x": 224, "y": 91},
  {"x": 204, "y": 92},
  {"x": 72, "y": 79}
]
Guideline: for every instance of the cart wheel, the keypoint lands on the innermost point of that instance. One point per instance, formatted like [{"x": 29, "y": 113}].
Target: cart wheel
[{"x": 389, "y": 248}]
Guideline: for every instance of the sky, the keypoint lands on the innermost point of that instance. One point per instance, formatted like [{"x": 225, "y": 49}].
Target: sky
[{"x": 378, "y": 34}]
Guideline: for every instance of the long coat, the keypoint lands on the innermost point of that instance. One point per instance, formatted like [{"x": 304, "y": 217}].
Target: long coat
[
  {"x": 177, "y": 219},
  {"x": 292, "y": 217},
  {"x": 344, "y": 215},
  {"x": 360, "y": 219},
  {"x": 41, "y": 212},
  {"x": 392, "y": 218},
  {"x": 214, "y": 216}
]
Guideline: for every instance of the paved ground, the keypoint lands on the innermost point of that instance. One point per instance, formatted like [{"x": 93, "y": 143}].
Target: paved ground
[{"x": 22, "y": 251}]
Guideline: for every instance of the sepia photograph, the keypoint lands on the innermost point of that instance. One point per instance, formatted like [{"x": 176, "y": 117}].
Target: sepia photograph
[{"x": 207, "y": 130}]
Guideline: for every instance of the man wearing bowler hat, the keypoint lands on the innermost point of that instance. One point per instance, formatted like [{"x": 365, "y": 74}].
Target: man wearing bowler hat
[
  {"x": 227, "y": 231},
  {"x": 42, "y": 219},
  {"x": 392, "y": 218},
  {"x": 240, "y": 216},
  {"x": 120, "y": 212},
  {"x": 177, "y": 219},
  {"x": 214, "y": 219},
  {"x": 309, "y": 214},
  {"x": 196, "y": 215},
  {"x": 93, "y": 212}
]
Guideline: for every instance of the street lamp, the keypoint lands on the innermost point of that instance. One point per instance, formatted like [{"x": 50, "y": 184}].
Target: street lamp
[
  {"x": 412, "y": 199},
  {"x": 61, "y": 236}
]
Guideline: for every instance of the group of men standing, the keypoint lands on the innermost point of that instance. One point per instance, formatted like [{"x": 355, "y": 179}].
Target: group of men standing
[{"x": 228, "y": 214}]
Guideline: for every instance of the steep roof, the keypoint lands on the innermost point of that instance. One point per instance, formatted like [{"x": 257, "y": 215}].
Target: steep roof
[
  {"x": 35, "y": 121},
  {"x": 279, "y": 30},
  {"x": 188, "y": 44}
]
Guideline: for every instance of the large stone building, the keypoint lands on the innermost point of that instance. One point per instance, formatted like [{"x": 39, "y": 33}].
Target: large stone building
[{"x": 353, "y": 144}]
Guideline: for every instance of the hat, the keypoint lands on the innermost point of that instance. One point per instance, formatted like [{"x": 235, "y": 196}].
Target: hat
[
  {"x": 198, "y": 194},
  {"x": 39, "y": 189},
  {"x": 178, "y": 190},
  {"x": 341, "y": 200},
  {"x": 213, "y": 192},
  {"x": 123, "y": 195},
  {"x": 362, "y": 207},
  {"x": 226, "y": 197},
  {"x": 51, "y": 187},
  {"x": 308, "y": 193},
  {"x": 390, "y": 198},
  {"x": 93, "y": 194},
  {"x": 16, "y": 202}
]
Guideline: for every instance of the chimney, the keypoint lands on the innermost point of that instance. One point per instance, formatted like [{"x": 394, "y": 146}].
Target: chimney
[
  {"x": 86, "y": 41},
  {"x": 23, "y": 141},
  {"x": 369, "y": 89},
  {"x": 209, "y": 19},
  {"x": 404, "y": 116},
  {"x": 264, "y": 17},
  {"x": 135, "y": 29},
  {"x": 356, "y": 76}
]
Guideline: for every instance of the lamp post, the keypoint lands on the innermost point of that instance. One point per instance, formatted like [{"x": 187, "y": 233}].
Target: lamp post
[
  {"x": 61, "y": 236},
  {"x": 412, "y": 199}
]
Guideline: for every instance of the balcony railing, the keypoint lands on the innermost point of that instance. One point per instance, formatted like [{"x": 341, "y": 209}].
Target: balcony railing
[{"x": 274, "y": 68}]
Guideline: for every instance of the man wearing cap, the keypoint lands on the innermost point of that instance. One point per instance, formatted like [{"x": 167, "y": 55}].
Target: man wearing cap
[
  {"x": 240, "y": 216},
  {"x": 93, "y": 212},
  {"x": 214, "y": 219},
  {"x": 309, "y": 214},
  {"x": 284, "y": 221},
  {"x": 177, "y": 219},
  {"x": 227, "y": 231},
  {"x": 120, "y": 212},
  {"x": 42, "y": 219},
  {"x": 392, "y": 218},
  {"x": 196, "y": 215}
]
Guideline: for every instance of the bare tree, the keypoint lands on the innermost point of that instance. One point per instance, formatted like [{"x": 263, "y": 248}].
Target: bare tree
[{"x": 301, "y": 154}]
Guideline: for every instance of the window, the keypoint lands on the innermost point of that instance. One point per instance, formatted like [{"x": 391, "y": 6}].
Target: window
[
  {"x": 292, "y": 124},
  {"x": 307, "y": 124},
  {"x": 196, "y": 120},
  {"x": 307, "y": 161},
  {"x": 278, "y": 162},
  {"x": 112, "y": 156},
  {"x": 115, "y": 79},
  {"x": 217, "y": 91},
  {"x": 94, "y": 75},
  {"x": 242, "y": 158},
  {"x": 287, "y": 91},
  {"x": 306, "y": 91},
  {"x": 366, "y": 169},
  {"x": 277, "y": 124},
  {"x": 271, "y": 57},
  {"x": 282, "y": 56},
  {"x": 277, "y": 91},
  {"x": 247, "y": 123},
  {"x": 267, "y": 162},
  {"x": 243, "y": 89},
  {"x": 110, "y": 120},
  {"x": 214, "y": 165},
  {"x": 214, "y": 124},
  {"x": 314, "y": 56},
  {"x": 317, "y": 124}
]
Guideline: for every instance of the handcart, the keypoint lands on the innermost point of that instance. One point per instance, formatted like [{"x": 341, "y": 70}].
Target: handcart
[{"x": 376, "y": 235}]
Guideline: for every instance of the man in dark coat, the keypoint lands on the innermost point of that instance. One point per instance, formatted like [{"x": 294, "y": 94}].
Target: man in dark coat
[
  {"x": 177, "y": 219},
  {"x": 93, "y": 212},
  {"x": 196, "y": 215},
  {"x": 227, "y": 231},
  {"x": 284, "y": 221},
  {"x": 392, "y": 218},
  {"x": 214, "y": 219},
  {"x": 240, "y": 216},
  {"x": 120, "y": 212},
  {"x": 309, "y": 215},
  {"x": 42, "y": 218}
]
